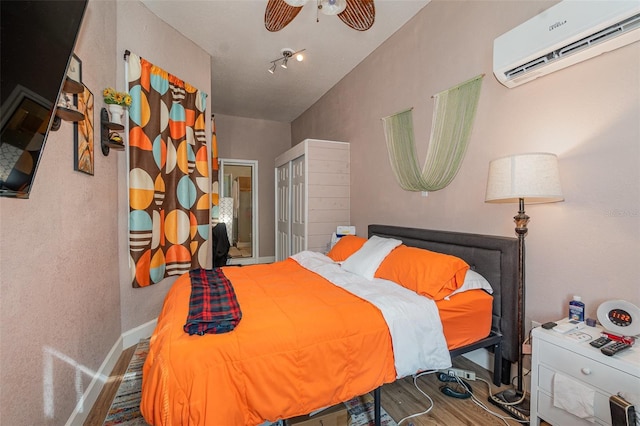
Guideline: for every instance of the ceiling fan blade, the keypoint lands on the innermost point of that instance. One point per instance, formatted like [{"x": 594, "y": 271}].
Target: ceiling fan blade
[
  {"x": 278, "y": 14},
  {"x": 359, "y": 14}
]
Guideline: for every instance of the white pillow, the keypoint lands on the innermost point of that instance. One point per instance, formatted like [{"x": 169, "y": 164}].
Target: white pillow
[
  {"x": 367, "y": 259},
  {"x": 473, "y": 281}
]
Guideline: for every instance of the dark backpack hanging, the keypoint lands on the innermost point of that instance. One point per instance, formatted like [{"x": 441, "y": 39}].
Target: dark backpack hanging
[{"x": 221, "y": 245}]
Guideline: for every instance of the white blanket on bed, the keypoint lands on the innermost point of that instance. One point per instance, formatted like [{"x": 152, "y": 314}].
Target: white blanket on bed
[{"x": 413, "y": 320}]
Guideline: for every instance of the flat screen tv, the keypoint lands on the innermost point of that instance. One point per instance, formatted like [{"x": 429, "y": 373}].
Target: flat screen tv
[{"x": 37, "y": 39}]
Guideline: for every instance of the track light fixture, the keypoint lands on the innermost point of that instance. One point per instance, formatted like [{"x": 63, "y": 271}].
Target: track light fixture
[{"x": 284, "y": 59}]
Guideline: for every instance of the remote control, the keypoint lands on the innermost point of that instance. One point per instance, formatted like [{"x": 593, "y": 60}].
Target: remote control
[
  {"x": 600, "y": 342},
  {"x": 614, "y": 348}
]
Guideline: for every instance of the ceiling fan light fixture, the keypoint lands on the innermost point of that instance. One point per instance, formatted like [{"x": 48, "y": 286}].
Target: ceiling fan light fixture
[
  {"x": 332, "y": 7},
  {"x": 295, "y": 3}
]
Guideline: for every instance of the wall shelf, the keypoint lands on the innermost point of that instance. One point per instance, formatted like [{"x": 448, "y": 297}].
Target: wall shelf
[
  {"x": 69, "y": 114},
  {"x": 72, "y": 86},
  {"x": 107, "y": 129}
]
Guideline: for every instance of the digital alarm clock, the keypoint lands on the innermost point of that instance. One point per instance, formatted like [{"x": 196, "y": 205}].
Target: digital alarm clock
[{"x": 620, "y": 317}]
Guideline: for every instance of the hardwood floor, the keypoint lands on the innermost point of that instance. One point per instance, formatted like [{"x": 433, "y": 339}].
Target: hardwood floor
[
  {"x": 399, "y": 399},
  {"x": 101, "y": 407}
]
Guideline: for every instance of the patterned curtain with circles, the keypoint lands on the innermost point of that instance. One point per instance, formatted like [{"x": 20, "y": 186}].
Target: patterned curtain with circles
[{"x": 169, "y": 195}]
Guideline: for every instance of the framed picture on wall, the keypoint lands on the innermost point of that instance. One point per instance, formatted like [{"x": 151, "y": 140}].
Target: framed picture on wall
[
  {"x": 83, "y": 134},
  {"x": 74, "y": 72}
]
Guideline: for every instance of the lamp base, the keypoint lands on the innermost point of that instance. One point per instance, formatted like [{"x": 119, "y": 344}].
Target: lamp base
[{"x": 519, "y": 411}]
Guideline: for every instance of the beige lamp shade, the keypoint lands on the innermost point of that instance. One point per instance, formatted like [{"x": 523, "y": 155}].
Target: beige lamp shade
[{"x": 533, "y": 177}]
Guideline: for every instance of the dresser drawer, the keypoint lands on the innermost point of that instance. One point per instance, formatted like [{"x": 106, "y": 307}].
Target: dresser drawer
[
  {"x": 559, "y": 417},
  {"x": 586, "y": 370},
  {"x": 545, "y": 403}
]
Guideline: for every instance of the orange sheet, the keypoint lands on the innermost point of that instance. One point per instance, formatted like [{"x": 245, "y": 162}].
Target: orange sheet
[
  {"x": 466, "y": 317},
  {"x": 302, "y": 344}
]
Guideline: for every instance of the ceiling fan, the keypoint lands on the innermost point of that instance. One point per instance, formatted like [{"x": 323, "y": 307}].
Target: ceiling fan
[{"x": 357, "y": 14}]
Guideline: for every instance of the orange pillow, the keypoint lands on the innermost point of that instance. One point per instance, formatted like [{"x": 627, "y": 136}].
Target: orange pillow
[
  {"x": 345, "y": 247},
  {"x": 431, "y": 274}
]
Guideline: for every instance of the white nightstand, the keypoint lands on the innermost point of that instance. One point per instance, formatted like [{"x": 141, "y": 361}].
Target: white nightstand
[{"x": 556, "y": 353}]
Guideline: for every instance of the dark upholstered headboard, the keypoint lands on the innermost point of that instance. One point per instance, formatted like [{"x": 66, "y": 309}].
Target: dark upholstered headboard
[{"x": 495, "y": 258}]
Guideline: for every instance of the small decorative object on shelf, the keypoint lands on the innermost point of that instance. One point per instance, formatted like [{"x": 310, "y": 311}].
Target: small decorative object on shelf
[
  {"x": 116, "y": 112},
  {"x": 66, "y": 108},
  {"x": 109, "y": 137},
  {"x": 116, "y": 103}
]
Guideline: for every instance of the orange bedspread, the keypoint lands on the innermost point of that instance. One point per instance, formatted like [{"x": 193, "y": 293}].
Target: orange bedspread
[{"x": 302, "y": 344}]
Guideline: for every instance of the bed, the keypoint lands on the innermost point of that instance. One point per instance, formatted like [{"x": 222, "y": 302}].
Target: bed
[{"x": 305, "y": 343}]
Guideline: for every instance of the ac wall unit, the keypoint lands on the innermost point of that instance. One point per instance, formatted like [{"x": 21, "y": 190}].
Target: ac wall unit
[{"x": 569, "y": 32}]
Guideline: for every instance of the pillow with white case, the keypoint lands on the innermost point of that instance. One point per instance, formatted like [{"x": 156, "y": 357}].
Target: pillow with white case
[
  {"x": 368, "y": 258},
  {"x": 473, "y": 281}
]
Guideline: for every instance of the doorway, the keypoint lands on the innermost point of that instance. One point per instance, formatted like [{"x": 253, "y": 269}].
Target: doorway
[{"x": 239, "y": 197}]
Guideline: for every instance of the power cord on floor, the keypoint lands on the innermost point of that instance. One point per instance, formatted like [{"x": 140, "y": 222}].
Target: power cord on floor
[
  {"x": 415, "y": 383},
  {"x": 486, "y": 408},
  {"x": 475, "y": 400}
]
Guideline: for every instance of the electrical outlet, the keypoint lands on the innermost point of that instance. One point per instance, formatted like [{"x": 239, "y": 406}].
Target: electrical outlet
[{"x": 463, "y": 374}]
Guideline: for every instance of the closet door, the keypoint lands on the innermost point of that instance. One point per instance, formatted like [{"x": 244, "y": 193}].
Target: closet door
[
  {"x": 312, "y": 195},
  {"x": 283, "y": 211},
  {"x": 298, "y": 206}
]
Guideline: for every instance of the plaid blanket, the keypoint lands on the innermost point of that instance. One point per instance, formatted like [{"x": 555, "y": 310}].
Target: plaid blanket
[{"x": 213, "y": 307}]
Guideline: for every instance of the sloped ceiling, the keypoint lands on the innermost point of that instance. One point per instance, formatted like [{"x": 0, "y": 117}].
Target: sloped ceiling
[{"x": 241, "y": 48}]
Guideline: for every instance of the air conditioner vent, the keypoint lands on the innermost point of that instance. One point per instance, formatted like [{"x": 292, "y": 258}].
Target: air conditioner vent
[{"x": 609, "y": 33}]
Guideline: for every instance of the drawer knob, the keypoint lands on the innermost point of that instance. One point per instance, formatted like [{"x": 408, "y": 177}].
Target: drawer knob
[{"x": 585, "y": 370}]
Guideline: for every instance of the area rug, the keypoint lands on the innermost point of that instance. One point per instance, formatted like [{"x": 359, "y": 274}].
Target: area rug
[
  {"x": 361, "y": 411},
  {"x": 125, "y": 409}
]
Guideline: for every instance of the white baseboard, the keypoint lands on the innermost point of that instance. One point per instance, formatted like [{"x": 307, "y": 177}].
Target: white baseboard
[
  {"x": 90, "y": 395},
  {"x": 133, "y": 336},
  {"x": 484, "y": 359}
]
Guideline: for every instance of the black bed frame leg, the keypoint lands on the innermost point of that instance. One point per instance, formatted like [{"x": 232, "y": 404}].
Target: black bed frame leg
[
  {"x": 497, "y": 364},
  {"x": 376, "y": 406},
  {"x": 506, "y": 372}
]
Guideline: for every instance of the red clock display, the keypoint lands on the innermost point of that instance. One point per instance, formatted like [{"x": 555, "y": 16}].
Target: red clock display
[{"x": 620, "y": 317}]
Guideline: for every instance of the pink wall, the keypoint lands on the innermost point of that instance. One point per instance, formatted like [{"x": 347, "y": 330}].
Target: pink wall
[
  {"x": 65, "y": 285},
  {"x": 59, "y": 291},
  {"x": 587, "y": 114}
]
